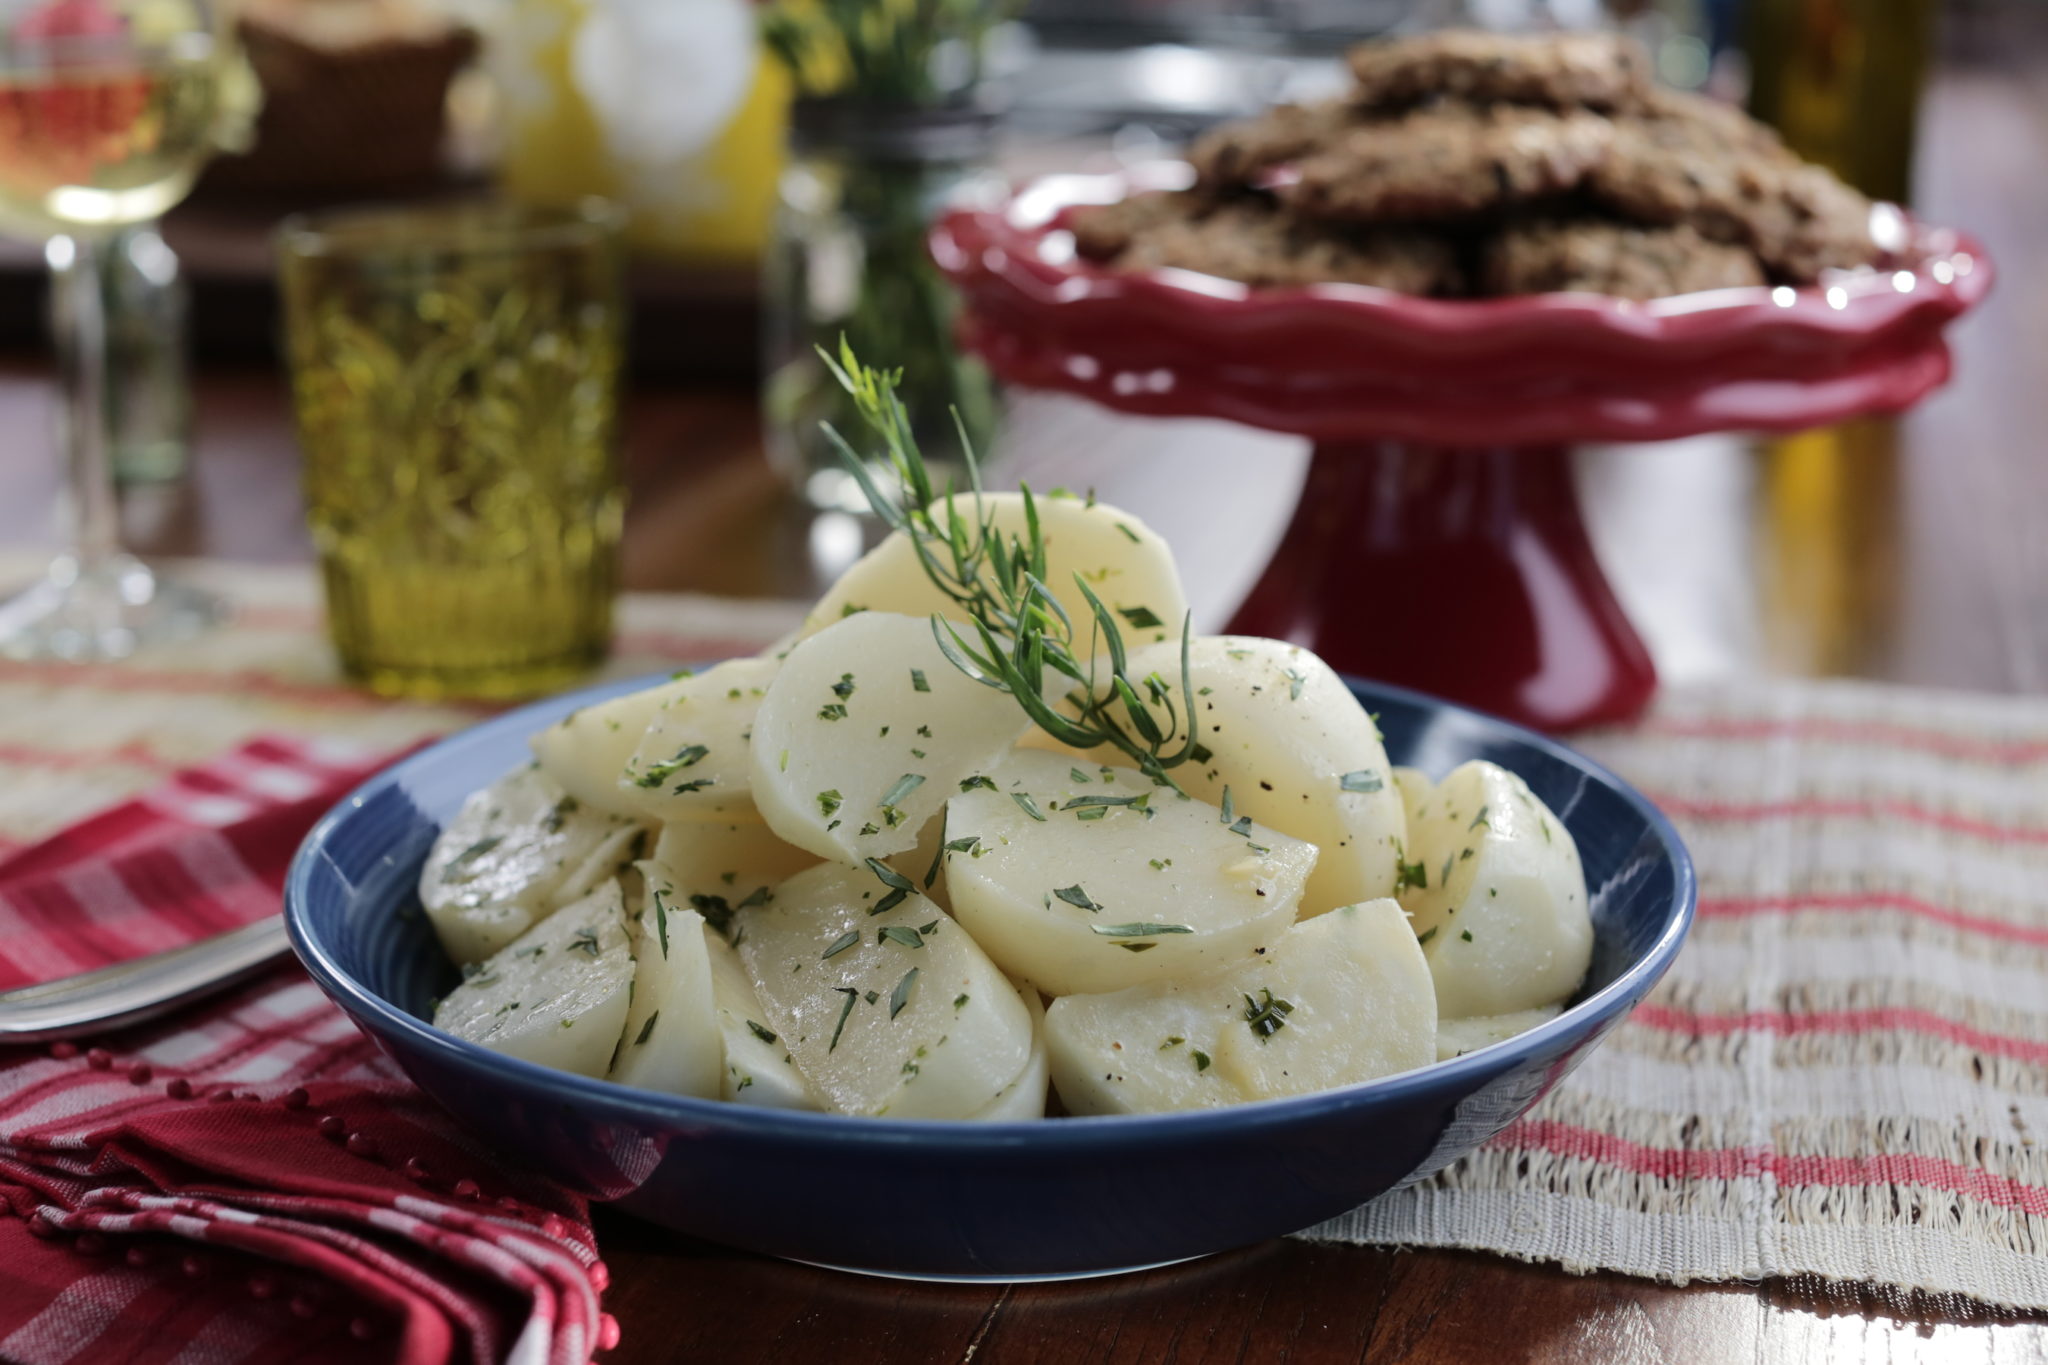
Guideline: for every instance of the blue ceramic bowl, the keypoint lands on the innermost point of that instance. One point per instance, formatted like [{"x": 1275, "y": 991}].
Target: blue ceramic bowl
[{"x": 1004, "y": 1201}]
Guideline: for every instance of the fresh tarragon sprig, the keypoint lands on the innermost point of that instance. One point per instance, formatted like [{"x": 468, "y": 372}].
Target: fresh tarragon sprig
[{"x": 1020, "y": 629}]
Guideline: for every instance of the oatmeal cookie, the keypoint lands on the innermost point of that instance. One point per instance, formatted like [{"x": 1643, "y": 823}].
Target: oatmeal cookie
[
  {"x": 1696, "y": 162},
  {"x": 1802, "y": 220},
  {"x": 1599, "y": 257},
  {"x": 1232, "y": 155},
  {"x": 1104, "y": 231},
  {"x": 1561, "y": 70},
  {"x": 1447, "y": 161},
  {"x": 1260, "y": 246}
]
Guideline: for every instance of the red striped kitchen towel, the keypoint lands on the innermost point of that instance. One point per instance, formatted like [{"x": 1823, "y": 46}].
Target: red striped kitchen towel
[{"x": 251, "y": 1180}]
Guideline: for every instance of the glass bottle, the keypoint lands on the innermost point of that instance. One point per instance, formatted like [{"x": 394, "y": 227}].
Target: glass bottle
[
  {"x": 848, "y": 258},
  {"x": 149, "y": 393}
]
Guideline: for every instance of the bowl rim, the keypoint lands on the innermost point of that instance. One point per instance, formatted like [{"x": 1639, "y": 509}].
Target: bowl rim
[{"x": 1069, "y": 1132}]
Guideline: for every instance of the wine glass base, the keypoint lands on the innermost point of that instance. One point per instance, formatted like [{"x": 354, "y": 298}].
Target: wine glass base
[{"x": 108, "y": 612}]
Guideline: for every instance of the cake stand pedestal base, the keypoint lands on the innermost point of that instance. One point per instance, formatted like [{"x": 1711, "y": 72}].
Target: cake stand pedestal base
[{"x": 1459, "y": 572}]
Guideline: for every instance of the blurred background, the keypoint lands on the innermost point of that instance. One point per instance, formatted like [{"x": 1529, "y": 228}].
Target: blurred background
[{"x": 776, "y": 165}]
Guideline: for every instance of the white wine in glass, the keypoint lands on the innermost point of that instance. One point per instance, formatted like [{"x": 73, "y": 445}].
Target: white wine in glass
[{"x": 108, "y": 110}]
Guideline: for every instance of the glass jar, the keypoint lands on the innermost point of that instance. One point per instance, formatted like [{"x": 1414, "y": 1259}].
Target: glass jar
[{"x": 848, "y": 259}]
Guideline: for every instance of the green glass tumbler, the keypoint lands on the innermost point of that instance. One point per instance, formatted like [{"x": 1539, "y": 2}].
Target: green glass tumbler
[{"x": 455, "y": 372}]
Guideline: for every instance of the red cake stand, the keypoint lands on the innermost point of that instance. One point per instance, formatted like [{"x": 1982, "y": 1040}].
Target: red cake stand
[{"x": 1438, "y": 542}]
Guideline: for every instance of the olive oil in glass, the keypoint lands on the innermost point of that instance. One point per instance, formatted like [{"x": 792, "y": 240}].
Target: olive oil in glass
[{"x": 455, "y": 374}]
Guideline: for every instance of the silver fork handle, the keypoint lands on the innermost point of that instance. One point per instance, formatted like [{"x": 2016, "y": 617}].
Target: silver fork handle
[{"x": 141, "y": 988}]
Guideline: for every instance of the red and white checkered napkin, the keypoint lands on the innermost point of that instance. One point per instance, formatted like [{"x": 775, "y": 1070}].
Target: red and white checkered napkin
[{"x": 250, "y": 1180}]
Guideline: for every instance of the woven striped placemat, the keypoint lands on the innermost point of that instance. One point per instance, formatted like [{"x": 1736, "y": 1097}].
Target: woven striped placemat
[{"x": 1844, "y": 1075}]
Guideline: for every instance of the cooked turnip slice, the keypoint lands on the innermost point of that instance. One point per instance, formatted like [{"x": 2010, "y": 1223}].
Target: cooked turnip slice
[
  {"x": 1497, "y": 895},
  {"x": 886, "y": 1005},
  {"x": 1093, "y": 879},
  {"x": 864, "y": 734},
  {"x": 557, "y": 994}
]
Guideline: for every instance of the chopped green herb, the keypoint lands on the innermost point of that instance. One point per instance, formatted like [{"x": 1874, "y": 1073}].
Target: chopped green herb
[
  {"x": 959, "y": 1002},
  {"x": 1077, "y": 775},
  {"x": 1267, "y": 1015},
  {"x": 657, "y": 774},
  {"x": 905, "y": 785},
  {"x": 896, "y": 933},
  {"x": 1139, "y": 930},
  {"x": 889, "y": 876},
  {"x": 760, "y": 1032},
  {"x": 559, "y": 814},
  {"x": 828, "y": 802},
  {"x": 1201, "y": 1059},
  {"x": 1364, "y": 780},
  {"x": 661, "y": 921},
  {"x": 1466, "y": 935},
  {"x": 717, "y": 913},
  {"x": 1141, "y": 802},
  {"x": 1425, "y": 936},
  {"x": 841, "y": 944},
  {"x": 1028, "y": 806},
  {"x": 586, "y": 939},
  {"x": 900, "y": 997},
  {"x": 1140, "y": 617},
  {"x": 647, "y": 1029},
  {"x": 459, "y": 864},
  {"x": 1410, "y": 874},
  {"x": 852, "y": 996},
  {"x": 1075, "y": 896},
  {"x": 844, "y": 687},
  {"x": 1129, "y": 534},
  {"x": 918, "y": 682},
  {"x": 1480, "y": 819},
  {"x": 899, "y": 886},
  {"x": 1229, "y": 810},
  {"x": 968, "y": 784},
  {"x": 1174, "y": 1041},
  {"x": 832, "y": 711},
  {"x": 782, "y": 765},
  {"x": 1295, "y": 682}
]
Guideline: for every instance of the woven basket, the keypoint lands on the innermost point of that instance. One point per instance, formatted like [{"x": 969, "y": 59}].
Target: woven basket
[{"x": 346, "y": 121}]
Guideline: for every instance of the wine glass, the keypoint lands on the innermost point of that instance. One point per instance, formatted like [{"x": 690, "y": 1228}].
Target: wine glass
[{"x": 107, "y": 112}]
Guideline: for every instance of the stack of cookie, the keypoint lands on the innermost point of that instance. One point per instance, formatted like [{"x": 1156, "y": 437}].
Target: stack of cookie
[{"x": 1468, "y": 164}]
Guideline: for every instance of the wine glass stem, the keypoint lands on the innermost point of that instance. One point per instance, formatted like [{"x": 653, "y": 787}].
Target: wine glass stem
[{"x": 78, "y": 317}]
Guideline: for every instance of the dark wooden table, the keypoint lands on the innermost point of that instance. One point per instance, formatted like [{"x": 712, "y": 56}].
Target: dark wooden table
[{"x": 1914, "y": 554}]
